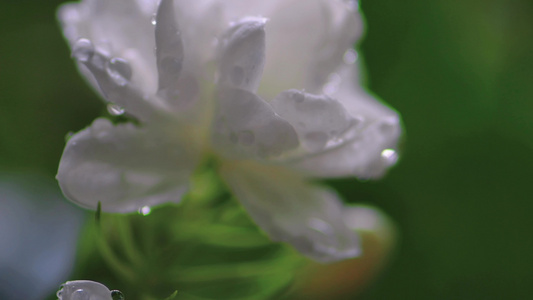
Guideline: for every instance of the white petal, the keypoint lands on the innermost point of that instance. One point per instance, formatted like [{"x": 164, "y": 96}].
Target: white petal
[
  {"x": 305, "y": 40},
  {"x": 113, "y": 78},
  {"x": 84, "y": 289},
  {"x": 118, "y": 28},
  {"x": 169, "y": 49},
  {"x": 124, "y": 168},
  {"x": 367, "y": 219},
  {"x": 288, "y": 209},
  {"x": 345, "y": 28},
  {"x": 368, "y": 150},
  {"x": 201, "y": 25},
  {"x": 317, "y": 119},
  {"x": 242, "y": 54},
  {"x": 247, "y": 125}
]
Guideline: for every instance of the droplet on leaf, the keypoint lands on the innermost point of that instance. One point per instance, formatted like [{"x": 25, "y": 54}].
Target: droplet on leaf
[
  {"x": 117, "y": 295},
  {"x": 145, "y": 210},
  {"x": 119, "y": 70},
  {"x": 390, "y": 156}
]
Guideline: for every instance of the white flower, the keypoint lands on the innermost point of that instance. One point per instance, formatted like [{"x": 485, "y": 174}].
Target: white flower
[
  {"x": 86, "y": 290},
  {"x": 270, "y": 88}
]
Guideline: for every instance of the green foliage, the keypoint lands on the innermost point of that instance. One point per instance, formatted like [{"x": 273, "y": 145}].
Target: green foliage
[
  {"x": 173, "y": 296},
  {"x": 206, "y": 247}
]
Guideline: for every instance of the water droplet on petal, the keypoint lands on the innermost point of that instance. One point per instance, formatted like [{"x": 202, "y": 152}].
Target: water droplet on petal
[
  {"x": 60, "y": 292},
  {"x": 153, "y": 20},
  {"x": 117, "y": 295},
  {"x": 246, "y": 137},
  {"x": 80, "y": 294},
  {"x": 350, "y": 57},
  {"x": 115, "y": 110},
  {"x": 119, "y": 70},
  {"x": 390, "y": 156},
  {"x": 83, "y": 50},
  {"x": 144, "y": 211}
]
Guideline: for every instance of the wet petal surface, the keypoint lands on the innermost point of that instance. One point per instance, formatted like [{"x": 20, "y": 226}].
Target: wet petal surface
[{"x": 123, "y": 167}]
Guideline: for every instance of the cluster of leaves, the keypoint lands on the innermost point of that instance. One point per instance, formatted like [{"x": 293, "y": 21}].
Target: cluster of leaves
[{"x": 205, "y": 248}]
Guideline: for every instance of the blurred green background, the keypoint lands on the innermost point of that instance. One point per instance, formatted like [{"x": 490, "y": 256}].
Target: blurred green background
[{"x": 459, "y": 72}]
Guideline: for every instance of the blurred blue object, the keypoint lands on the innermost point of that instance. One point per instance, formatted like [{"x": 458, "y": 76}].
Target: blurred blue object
[{"x": 38, "y": 237}]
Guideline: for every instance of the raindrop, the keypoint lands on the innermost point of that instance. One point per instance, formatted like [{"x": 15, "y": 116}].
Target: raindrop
[
  {"x": 153, "y": 20},
  {"x": 144, "y": 211},
  {"x": 117, "y": 295},
  {"x": 83, "y": 50},
  {"x": 60, "y": 292},
  {"x": 115, "y": 110},
  {"x": 80, "y": 294},
  {"x": 390, "y": 156},
  {"x": 350, "y": 57},
  {"x": 246, "y": 137},
  {"x": 119, "y": 70}
]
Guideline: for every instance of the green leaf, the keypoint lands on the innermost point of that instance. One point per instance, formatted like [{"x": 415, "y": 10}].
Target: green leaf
[{"x": 173, "y": 296}]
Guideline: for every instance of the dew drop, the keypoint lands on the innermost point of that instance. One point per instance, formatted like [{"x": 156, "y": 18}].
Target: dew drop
[
  {"x": 119, "y": 70},
  {"x": 60, "y": 292},
  {"x": 115, "y": 110},
  {"x": 80, "y": 294},
  {"x": 117, "y": 295},
  {"x": 390, "y": 156},
  {"x": 145, "y": 211},
  {"x": 83, "y": 50},
  {"x": 350, "y": 57},
  {"x": 153, "y": 20},
  {"x": 246, "y": 137}
]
